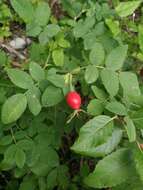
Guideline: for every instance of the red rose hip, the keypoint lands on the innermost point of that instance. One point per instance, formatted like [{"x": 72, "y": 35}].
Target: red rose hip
[{"x": 73, "y": 99}]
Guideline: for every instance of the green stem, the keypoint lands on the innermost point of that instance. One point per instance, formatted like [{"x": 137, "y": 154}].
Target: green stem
[
  {"x": 72, "y": 116},
  {"x": 47, "y": 60},
  {"x": 13, "y": 137},
  {"x": 115, "y": 117},
  {"x": 6, "y": 85},
  {"x": 70, "y": 82},
  {"x": 138, "y": 144},
  {"x": 100, "y": 67},
  {"x": 97, "y": 66}
]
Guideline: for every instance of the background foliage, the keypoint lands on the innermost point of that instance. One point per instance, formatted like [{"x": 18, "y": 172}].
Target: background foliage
[{"x": 98, "y": 46}]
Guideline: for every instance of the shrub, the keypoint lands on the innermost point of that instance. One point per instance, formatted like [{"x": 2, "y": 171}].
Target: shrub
[{"x": 71, "y": 106}]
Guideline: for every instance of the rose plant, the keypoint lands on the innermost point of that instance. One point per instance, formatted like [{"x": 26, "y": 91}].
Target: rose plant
[{"x": 72, "y": 109}]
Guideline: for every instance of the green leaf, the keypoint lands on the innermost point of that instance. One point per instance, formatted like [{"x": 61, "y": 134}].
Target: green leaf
[
  {"x": 99, "y": 29},
  {"x": 136, "y": 100},
  {"x": 97, "y": 54},
  {"x": 3, "y": 92},
  {"x": 138, "y": 160},
  {"x": 49, "y": 31},
  {"x": 42, "y": 183},
  {"x": 127, "y": 8},
  {"x": 20, "y": 158},
  {"x": 114, "y": 26},
  {"x": 61, "y": 41},
  {"x": 20, "y": 78},
  {"x": 140, "y": 37},
  {"x": 72, "y": 8},
  {"x": 89, "y": 40},
  {"x": 91, "y": 74},
  {"x": 73, "y": 187},
  {"x": 51, "y": 96},
  {"x": 95, "y": 107},
  {"x": 92, "y": 134},
  {"x": 117, "y": 108},
  {"x": 38, "y": 53},
  {"x": 33, "y": 99},
  {"x": 36, "y": 71},
  {"x": 29, "y": 182},
  {"x": 3, "y": 58},
  {"x": 62, "y": 177},
  {"x": 137, "y": 118},
  {"x": 51, "y": 137},
  {"x": 47, "y": 160},
  {"x": 116, "y": 57},
  {"x": 82, "y": 27},
  {"x": 58, "y": 57},
  {"x": 32, "y": 29},
  {"x": 84, "y": 170},
  {"x": 43, "y": 37},
  {"x": 52, "y": 30},
  {"x": 52, "y": 179},
  {"x": 56, "y": 80},
  {"x": 20, "y": 134},
  {"x": 130, "y": 128},
  {"x": 24, "y": 8},
  {"x": 129, "y": 83},
  {"x": 112, "y": 170},
  {"x": 133, "y": 183},
  {"x": 9, "y": 154},
  {"x": 110, "y": 144},
  {"x": 110, "y": 81},
  {"x": 6, "y": 140},
  {"x": 25, "y": 144},
  {"x": 13, "y": 108},
  {"x": 42, "y": 14},
  {"x": 99, "y": 93}
]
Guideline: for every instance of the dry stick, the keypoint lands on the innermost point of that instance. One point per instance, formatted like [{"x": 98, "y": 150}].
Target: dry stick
[
  {"x": 16, "y": 64},
  {"x": 53, "y": 2},
  {"x": 138, "y": 144},
  {"x": 11, "y": 50}
]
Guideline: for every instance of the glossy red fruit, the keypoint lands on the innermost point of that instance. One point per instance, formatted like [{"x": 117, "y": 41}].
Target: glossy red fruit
[{"x": 73, "y": 99}]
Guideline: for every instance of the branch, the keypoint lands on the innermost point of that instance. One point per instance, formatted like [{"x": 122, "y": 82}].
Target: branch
[{"x": 13, "y": 51}]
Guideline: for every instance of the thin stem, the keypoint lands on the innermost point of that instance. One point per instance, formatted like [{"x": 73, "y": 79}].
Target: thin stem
[
  {"x": 100, "y": 67},
  {"x": 135, "y": 105},
  {"x": 81, "y": 110},
  {"x": 13, "y": 51},
  {"x": 138, "y": 144},
  {"x": 97, "y": 66},
  {"x": 62, "y": 72},
  {"x": 47, "y": 60},
  {"x": 55, "y": 115},
  {"x": 19, "y": 128},
  {"x": 78, "y": 16},
  {"x": 70, "y": 82},
  {"x": 72, "y": 116},
  {"x": 13, "y": 137},
  {"x": 6, "y": 85},
  {"x": 115, "y": 117}
]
